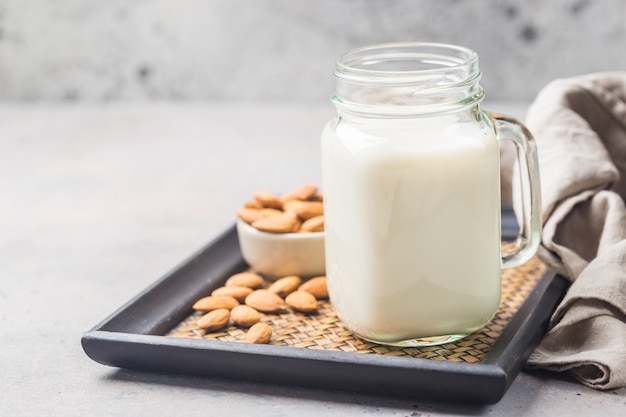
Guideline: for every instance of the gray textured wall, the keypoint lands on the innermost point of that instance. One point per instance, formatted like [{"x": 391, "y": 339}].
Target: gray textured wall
[{"x": 285, "y": 49}]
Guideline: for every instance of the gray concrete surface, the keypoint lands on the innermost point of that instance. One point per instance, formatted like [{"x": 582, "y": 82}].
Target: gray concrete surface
[{"x": 98, "y": 201}]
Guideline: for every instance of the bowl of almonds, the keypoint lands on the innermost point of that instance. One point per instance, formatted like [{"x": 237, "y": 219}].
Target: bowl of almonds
[{"x": 282, "y": 235}]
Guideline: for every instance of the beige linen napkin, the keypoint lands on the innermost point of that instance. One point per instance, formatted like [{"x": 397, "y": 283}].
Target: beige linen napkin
[{"x": 580, "y": 127}]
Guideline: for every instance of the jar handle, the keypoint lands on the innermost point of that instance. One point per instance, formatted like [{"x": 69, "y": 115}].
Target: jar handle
[{"x": 525, "y": 245}]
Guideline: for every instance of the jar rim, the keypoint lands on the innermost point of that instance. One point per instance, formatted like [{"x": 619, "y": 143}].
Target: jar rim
[
  {"x": 407, "y": 79},
  {"x": 399, "y": 63}
]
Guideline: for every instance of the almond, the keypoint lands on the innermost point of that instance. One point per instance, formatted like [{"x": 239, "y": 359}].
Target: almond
[
  {"x": 214, "y": 320},
  {"x": 252, "y": 204},
  {"x": 314, "y": 224},
  {"x": 245, "y": 316},
  {"x": 259, "y": 333},
  {"x": 250, "y": 215},
  {"x": 285, "y": 285},
  {"x": 316, "y": 286},
  {"x": 265, "y": 301},
  {"x": 267, "y": 199},
  {"x": 288, "y": 197},
  {"x": 304, "y": 209},
  {"x": 302, "y": 301},
  {"x": 239, "y": 293},
  {"x": 278, "y": 223},
  {"x": 306, "y": 192},
  {"x": 212, "y": 302},
  {"x": 245, "y": 279},
  {"x": 296, "y": 226}
]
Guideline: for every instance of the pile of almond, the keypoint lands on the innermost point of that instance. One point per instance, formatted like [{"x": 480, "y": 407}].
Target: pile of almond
[
  {"x": 245, "y": 296},
  {"x": 299, "y": 211}
]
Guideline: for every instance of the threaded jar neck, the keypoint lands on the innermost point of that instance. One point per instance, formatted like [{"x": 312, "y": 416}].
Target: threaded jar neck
[{"x": 407, "y": 79}]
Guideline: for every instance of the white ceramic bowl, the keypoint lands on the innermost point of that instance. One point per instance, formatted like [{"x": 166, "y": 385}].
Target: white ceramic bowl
[{"x": 280, "y": 254}]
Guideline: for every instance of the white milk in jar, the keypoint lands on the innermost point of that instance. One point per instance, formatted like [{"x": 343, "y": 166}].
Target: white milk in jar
[
  {"x": 411, "y": 183},
  {"x": 412, "y": 227}
]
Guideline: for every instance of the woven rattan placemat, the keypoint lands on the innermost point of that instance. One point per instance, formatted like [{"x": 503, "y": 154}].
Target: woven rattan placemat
[{"x": 323, "y": 330}]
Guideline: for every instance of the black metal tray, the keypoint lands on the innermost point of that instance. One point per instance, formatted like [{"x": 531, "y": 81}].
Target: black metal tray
[{"x": 133, "y": 337}]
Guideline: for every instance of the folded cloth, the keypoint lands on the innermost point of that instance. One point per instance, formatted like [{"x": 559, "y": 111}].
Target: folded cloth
[{"x": 580, "y": 127}]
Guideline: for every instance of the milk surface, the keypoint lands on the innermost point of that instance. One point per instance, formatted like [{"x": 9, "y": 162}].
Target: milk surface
[{"x": 412, "y": 211}]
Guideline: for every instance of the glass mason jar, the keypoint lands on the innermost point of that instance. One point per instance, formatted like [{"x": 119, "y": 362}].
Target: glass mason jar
[{"x": 411, "y": 180}]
